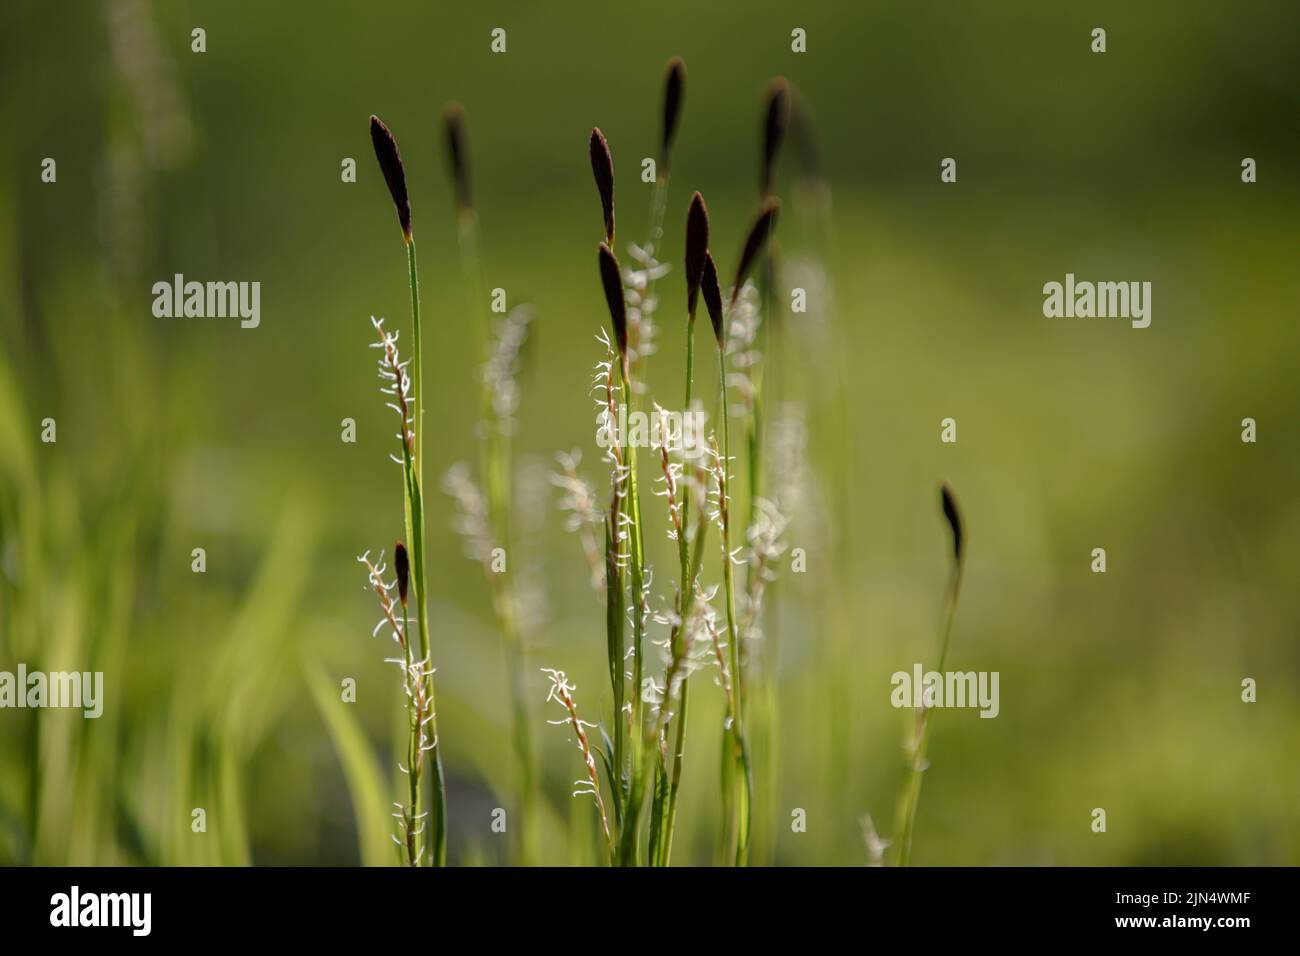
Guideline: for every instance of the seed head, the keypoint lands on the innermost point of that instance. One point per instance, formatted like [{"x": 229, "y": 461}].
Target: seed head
[
  {"x": 775, "y": 118},
  {"x": 755, "y": 241},
  {"x": 953, "y": 514},
  {"x": 611, "y": 278},
  {"x": 453, "y": 121},
  {"x": 712, "y": 296},
  {"x": 674, "y": 91},
  {"x": 390, "y": 163},
  {"x": 602, "y": 167},
  {"x": 402, "y": 565},
  {"x": 697, "y": 247}
]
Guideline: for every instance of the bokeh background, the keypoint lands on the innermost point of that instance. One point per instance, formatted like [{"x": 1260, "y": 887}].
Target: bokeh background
[{"x": 1119, "y": 691}]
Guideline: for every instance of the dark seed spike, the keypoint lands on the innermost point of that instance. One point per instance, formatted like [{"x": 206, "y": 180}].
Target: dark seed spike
[
  {"x": 402, "y": 565},
  {"x": 390, "y": 163},
  {"x": 453, "y": 119},
  {"x": 697, "y": 247},
  {"x": 611, "y": 278},
  {"x": 602, "y": 167},
  {"x": 776, "y": 117},
  {"x": 712, "y": 296},
  {"x": 754, "y": 242},
  {"x": 953, "y": 514},
  {"x": 674, "y": 92}
]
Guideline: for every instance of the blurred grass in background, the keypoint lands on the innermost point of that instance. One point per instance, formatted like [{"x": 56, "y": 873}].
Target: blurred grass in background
[{"x": 1118, "y": 691}]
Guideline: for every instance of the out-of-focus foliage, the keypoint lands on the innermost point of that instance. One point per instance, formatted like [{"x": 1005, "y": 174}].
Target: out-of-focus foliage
[{"x": 1119, "y": 691}]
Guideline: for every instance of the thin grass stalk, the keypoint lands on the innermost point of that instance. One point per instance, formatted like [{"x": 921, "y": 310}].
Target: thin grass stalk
[
  {"x": 744, "y": 786},
  {"x": 390, "y": 164},
  {"x": 615, "y": 563},
  {"x": 765, "y": 721},
  {"x": 697, "y": 243},
  {"x": 629, "y": 848},
  {"x": 415, "y": 534},
  {"x": 911, "y": 794},
  {"x": 495, "y": 457}
]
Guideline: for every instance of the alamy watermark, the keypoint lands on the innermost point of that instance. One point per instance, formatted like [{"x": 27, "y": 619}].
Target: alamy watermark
[
  {"x": 212, "y": 300},
  {"x": 1103, "y": 300},
  {"x": 130, "y": 910},
  {"x": 53, "y": 689},
  {"x": 681, "y": 431},
  {"x": 976, "y": 689}
]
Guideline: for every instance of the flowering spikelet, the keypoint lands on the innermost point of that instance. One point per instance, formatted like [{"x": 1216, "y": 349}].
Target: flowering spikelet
[
  {"x": 740, "y": 344},
  {"x": 671, "y": 471},
  {"x": 579, "y": 500},
  {"x": 390, "y": 164},
  {"x": 561, "y": 691},
  {"x": 501, "y": 371},
  {"x": 392, "y": 370},
  {"x": 765, "y": 547},
  {"x": 612, "y": 281},
  {"x": 402, "y": 565},
  {"x": 602, "y": 168},
  {"x": 709, "y": 624},
  {"x": 638, "y": 294},
  {"x": 713, "y": 297},
  {"x": 776, "y": 116},
  {"x": 697, "y": 248},
  {"x": 953, "y": 514},
  {"x": 453, "y": 123},
  {"x": 471, "y": 521},
  {"x": 755, "y": 240},
  {"x": 375, "y": 574},
  {"x": 674, "y": 91}
]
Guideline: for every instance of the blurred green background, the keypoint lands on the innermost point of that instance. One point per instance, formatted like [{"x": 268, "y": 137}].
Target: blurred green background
[{"x": 1119, "y": 691}]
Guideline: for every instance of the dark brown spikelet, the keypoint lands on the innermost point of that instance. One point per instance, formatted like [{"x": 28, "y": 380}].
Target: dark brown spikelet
[
  {"x": 602, "y": 167},
  {"x": 953, "y": 514},
  {"x": 453, "y": 121},
  {"x": 674, "y": 91},
  {"x": 697, "y": 247},
  {"x": 775, "y": 119},
  {"x": 611, "y": 278},
  {"x": 712, "y": 296},
  {"x": 755, "y": 241},
  {"x": 402, "y": 565},
  {"x": 390, "y": 163}
]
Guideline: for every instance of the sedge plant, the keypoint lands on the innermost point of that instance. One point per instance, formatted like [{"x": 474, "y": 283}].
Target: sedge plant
[
  {"x": 737, "y": 772},
  {"x": 404, "y": 386},
  {"x": 923, "y": 725}
]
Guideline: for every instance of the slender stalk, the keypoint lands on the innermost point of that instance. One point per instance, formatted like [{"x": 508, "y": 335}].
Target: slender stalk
[
  {"x": 414, "y": 486},
  {"x": 688, "y": 608},
  {"x": 495, "y": 466},
  {"x": 911, "y": 794},
  {"x": 686, "y": 587},
  {"x": 629, "y": 847},
  {"x": 744, "y": 786},
  {"x": 614, "y": 585}
]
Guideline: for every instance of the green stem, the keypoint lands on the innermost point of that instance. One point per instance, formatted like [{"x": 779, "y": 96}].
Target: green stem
[
  {"x": 632, "y": 505},
  {"x": 687, "y": 580},
  {"x": 415, "y": 535},
  {"x": 494, "y": 465},
  {"x": 745, "y": 782},
  {"x": 911, "y": 794}
]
